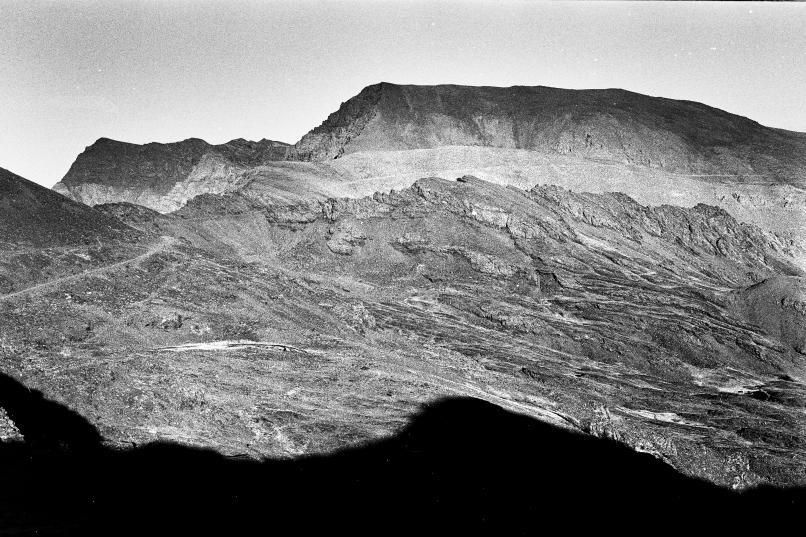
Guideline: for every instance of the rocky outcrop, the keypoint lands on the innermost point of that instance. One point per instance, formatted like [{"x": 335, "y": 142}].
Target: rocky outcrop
[
  {"x": 8, "y": 429},
  {"x": 345, "y": 238},
  {"x": 703, "y": 230},
  {"x": 777, "y": 305},
  {"x": 329, "y": 139}
]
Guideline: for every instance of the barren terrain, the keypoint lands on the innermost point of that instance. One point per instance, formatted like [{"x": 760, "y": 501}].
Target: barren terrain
[{"x": 608, "y": 270}]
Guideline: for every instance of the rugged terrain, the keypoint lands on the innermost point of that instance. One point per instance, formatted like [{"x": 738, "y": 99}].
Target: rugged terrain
[
  {"x": 460, "y": 465},
  {"x": 612, "y": 125},
  {"x": 45, "y": 235},
  {"x": 260, "y": 300},
  {"x": 278, "y": 330},
  {"x": 656, "y": 150}
]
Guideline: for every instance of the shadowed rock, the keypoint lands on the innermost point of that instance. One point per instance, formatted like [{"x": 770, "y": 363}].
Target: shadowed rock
[
  {"x": 45, "y": 424},
  {"x": 33, "y": 215},
  {"x": 461, "y": 465}
]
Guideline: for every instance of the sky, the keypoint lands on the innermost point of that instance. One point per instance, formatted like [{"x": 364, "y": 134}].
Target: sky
[{"x": 74, "y": 71}]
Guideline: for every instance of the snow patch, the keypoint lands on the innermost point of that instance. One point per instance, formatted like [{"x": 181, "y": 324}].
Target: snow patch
[{"x": 226, "y": 345}]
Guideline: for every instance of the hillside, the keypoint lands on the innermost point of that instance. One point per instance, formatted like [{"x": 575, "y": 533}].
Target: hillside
[
  {"x": 36, "y": 216},
  {"x": 46, "y": 236},
  {"x": 779, "y": 306},
  {"x": 624, "y": 266}
]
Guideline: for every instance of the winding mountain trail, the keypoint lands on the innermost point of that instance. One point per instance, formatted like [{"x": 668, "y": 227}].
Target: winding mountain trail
[{"x": 163, "y": 245}]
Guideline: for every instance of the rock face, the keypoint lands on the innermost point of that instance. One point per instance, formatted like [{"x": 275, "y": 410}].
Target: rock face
[
  {"x": 613, "y": 125},
  {"x": 163, "y": 176}
]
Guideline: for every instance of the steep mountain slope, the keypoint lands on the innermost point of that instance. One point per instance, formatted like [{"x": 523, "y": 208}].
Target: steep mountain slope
[
  {"x": 658, "y": 151},
  {"x": 274, "y": 329},
  {"x": 44, "y": 235},
  {"x": 614, "y": 125},
  {"x": 36, "y": 216},
  {"x": 163, "y": 176}
]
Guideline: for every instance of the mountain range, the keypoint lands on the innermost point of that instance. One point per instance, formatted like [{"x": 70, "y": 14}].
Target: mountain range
[
  {"x": 653, "y": 149},
  {"x": 612, "y": 264}
]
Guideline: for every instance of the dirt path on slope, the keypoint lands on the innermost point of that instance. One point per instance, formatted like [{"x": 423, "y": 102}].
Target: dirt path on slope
[{"x": 164, "y": 243}]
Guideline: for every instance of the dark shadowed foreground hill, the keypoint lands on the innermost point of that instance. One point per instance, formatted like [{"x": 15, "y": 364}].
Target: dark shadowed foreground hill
[
  {"x": 461, "y": 465},
  {"x": 37, "y": 216},
  {"x": 44, "y": 235}
]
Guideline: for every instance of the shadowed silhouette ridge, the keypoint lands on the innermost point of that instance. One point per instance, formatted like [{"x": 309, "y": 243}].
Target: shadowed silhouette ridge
[{"x": 461, "y": 466}]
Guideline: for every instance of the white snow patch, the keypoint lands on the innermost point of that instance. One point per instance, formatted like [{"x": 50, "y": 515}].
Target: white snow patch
[
  {"x": 667, "y": 417},
  {"x": 226, "y": 345}
]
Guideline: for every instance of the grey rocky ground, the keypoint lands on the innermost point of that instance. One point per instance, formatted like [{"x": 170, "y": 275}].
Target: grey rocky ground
[
  {"x": 280, "y": 330},
  {"x": 269, "y": 300}
]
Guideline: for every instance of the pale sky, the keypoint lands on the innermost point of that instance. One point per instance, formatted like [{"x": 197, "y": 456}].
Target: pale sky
[{"x": 74, "y": 71}]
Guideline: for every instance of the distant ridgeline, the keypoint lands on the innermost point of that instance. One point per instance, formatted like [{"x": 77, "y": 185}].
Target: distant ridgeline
[
  {"x": 163, "y": 176},
  {"x": 614, "y": 125},
  {"x": 397, "y": 134}
]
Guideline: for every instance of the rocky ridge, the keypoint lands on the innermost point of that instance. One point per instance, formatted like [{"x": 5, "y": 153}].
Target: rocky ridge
[
  {"x": 388, "y": 136},
  {"x": 163, "y": 176}
]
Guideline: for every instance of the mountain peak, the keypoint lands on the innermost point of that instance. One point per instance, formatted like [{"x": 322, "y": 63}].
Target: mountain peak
[
  {"x": 463, "y": 128},
  {"x": 614, "y": 125}
]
